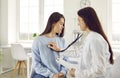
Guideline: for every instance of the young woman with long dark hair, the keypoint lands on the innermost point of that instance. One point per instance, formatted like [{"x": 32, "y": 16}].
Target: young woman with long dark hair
[
  {"x": 44, "y": 63},
  {"x": 96, "y": 54}
]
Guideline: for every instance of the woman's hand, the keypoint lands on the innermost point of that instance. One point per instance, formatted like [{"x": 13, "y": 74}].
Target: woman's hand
[
  {"x": 53, "y": 46},
  {"x": 72, "y": 72},
  {"x": 55, "y": 76},
  {"x": 59, "y": 75}
]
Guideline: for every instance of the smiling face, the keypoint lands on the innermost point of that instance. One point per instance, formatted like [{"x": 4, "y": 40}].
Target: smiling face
[
  {"x": 58, "y": 26},
  {"x": 82, "y": 24}
]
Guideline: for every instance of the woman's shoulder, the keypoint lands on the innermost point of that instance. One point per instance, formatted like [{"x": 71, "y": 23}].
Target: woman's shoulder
[
  {"x": 92, "y": 37},
  {"x": 97, "y": 38},
  {"x": 95, "y": 35},
  {"x": 38, "y": 38}
]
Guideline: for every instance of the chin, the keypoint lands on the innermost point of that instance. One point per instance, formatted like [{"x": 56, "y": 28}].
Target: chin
[
  {"x": 59, "y": 32},
  {"x": 82, "y": 29}
]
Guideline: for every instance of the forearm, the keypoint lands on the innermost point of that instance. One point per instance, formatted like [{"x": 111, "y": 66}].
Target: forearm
[{"x": 39, "y": 69}]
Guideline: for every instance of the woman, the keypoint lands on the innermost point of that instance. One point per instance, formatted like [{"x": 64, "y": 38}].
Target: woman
[
  {"x": 96, "y": 53},
  {"x": 44, "y": 63}
]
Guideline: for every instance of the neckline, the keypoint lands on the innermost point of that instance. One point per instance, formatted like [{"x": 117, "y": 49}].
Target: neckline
[{"x": 49, "y": 37}]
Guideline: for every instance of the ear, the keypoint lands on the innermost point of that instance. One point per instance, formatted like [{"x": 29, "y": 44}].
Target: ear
[{"x": 53, "y": 25}]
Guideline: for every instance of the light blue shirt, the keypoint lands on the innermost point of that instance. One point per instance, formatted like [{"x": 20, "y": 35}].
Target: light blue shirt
[{"x": 44, "y": 59}]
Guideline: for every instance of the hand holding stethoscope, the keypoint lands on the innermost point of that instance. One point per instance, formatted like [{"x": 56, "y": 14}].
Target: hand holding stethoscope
[{"x": 54, "y": 47}]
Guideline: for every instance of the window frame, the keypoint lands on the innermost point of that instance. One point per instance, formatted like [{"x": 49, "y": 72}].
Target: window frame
[
  {"x": 41, "y": 6},
  {"x": 113, "y": 42},
  {"x": 41, "y": 22}
]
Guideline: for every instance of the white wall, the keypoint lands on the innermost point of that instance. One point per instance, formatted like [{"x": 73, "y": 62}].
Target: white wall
[
  {"x": 4, "y": 22},
  {"x": 71, "y": 8},
  {"x": 8, "y": 21},
  {"x": 103, "y": 9},
  {"x": 8, "y": 16},
  {"x": 70, "y": 12},
  {"x": 0, "y": 22},
  {"x": 12, "y": 21}
]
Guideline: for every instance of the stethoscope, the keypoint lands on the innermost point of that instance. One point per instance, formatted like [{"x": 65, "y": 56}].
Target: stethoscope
[{"x": 78, "y": 37}]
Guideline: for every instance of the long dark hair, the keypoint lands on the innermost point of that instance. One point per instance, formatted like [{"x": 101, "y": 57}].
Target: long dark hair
[
  {"x": 91, "y": 20},
  {"x": 54, "y": 18}
]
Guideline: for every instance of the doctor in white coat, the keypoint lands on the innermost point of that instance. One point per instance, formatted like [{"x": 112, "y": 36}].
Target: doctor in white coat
[{"x": 96, "y": 54}]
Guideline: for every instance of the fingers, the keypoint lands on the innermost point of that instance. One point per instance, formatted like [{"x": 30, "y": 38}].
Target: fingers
[
  {"x": 51, "y": 44},
  {"x": 72, "y": 69},
  {"x": 55, "y": 76},
  {"x": 72, "y": 72},
  {"x": 59, "y": 75}
]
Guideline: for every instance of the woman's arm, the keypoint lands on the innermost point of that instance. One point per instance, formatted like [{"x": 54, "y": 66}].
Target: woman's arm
[
  {"x": 37, "y": 64},
  {"x": 98, "y": 66}
]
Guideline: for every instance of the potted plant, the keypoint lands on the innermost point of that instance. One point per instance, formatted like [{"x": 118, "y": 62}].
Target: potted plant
[{"x": 35, "y": 34}]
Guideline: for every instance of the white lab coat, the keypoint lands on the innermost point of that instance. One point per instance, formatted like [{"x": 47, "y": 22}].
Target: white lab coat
[{"x": 94, "y": 57}]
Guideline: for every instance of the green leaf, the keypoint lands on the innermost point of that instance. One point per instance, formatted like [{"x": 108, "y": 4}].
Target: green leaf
[{"x": 35, "y": 34}]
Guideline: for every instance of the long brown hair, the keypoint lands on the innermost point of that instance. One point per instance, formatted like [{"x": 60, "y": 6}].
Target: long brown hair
[
  {"x": 54, "y": 18},
  {"x": 91, "y": 20}
]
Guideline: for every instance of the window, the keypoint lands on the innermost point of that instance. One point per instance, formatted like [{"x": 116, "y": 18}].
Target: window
[
  {"x": 51, "y": 6},
  {"x": 33, "y": 15},
  {"x": 116, "y": 21},
  {"x": 28, "y": 19}
]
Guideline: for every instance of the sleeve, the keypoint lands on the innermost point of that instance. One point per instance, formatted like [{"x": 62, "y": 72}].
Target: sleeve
[
  {"x": 36, "y": 59},
  {"x": 63, "y": 70},
  {"x": 98, "y": 65}
]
